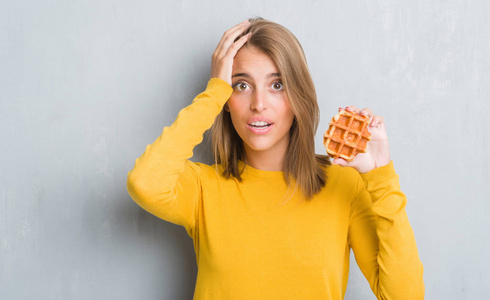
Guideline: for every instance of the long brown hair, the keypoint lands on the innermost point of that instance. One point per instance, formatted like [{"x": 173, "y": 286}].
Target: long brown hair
[{"x": 302, "y": 167}]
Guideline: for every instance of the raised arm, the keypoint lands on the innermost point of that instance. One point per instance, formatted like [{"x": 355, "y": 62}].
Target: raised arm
[{"x": 163, "y": 181}]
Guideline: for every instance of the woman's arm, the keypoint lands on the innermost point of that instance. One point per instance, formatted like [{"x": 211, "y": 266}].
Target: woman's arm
[
  {"x": 379, "y": 232},
  {"x": 382, "y": 238},
  {"x": 163, "y": 181}
]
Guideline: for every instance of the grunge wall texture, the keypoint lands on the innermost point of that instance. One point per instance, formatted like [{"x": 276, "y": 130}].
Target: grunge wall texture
[{"x": 86, "y": 85}]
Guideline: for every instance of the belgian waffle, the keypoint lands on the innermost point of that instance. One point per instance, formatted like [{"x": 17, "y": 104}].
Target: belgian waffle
[{"x": 347, "y": 135}]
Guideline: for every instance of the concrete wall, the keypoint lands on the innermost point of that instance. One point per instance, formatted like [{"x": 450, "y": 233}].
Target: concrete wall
[{"x": 86, "y": 85}]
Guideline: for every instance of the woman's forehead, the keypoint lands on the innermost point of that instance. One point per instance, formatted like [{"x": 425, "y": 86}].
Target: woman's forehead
[{"x": 254, "y": 62}]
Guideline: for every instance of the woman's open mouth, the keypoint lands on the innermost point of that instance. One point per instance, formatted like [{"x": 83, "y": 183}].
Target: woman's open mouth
[{"x": 260, "y": 127}]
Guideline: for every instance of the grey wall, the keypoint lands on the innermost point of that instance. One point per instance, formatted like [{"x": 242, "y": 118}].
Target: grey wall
[{"x": 86, "y": 85}]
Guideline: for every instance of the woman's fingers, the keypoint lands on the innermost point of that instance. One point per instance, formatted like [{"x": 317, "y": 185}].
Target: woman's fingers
[
  {"x": 367, "y": 112},
  {"x": 233, "y": 49},
  {"x": 222, "y": 59},
  {"x": 340, "y": 161},
  {"x": 377, "y": 121},
  {"x": 229, "y": 37},
  {"x": 233, "y": 32},
  {"x": 222, "y": 67},
  {"x": 362, "y": 163},
  {"x": 353, "y": 108}
]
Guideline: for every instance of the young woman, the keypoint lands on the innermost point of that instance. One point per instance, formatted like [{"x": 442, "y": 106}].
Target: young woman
[{"x": 273, "y": 220}]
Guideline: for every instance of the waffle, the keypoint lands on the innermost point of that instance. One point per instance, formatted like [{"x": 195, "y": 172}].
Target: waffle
[{"x": 347, "y": 135}]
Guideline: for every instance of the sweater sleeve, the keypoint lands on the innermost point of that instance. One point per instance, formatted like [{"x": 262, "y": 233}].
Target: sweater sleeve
[
  {"x": 382, "y": 238},
  {"x": 163, "y": 181}
]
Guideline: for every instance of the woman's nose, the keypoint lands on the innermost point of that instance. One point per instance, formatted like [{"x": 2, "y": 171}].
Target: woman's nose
[{"x": 258, "y": 102}]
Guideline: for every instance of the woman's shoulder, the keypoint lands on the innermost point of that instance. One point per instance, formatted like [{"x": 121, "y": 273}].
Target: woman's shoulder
[
  {"x": 342, "y": 175},
  {"x": 207, "y": 170},
  {"x": 342, "y": 184}
]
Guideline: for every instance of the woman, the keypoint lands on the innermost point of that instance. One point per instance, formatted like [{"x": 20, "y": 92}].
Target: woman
[{"x": 272, "y": 220}]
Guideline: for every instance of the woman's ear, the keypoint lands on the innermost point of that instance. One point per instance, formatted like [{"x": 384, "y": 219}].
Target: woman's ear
[{"x": 226, "y": 107}]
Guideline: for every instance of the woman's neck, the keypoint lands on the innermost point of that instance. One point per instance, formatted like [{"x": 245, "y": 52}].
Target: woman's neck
[{"x": 264, "y": 160}]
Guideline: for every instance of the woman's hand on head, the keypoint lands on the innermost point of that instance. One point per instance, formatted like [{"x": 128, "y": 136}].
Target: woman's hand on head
[
  {"x": 222, "y": 60},
  {"x": 378, "y": 150}
]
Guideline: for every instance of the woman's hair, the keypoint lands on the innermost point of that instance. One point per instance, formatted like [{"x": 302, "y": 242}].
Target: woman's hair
[{"x": 302, "y": 167}]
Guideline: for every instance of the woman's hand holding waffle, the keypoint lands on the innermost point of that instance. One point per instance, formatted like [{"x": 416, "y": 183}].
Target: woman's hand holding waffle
[{"x": 378, "y": 151}]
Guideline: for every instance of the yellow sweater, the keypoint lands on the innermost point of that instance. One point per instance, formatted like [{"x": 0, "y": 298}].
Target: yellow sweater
[{"x": 252, "y": 244}]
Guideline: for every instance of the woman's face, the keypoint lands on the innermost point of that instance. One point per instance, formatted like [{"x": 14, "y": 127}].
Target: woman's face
[{"x": 259, "y": 108}]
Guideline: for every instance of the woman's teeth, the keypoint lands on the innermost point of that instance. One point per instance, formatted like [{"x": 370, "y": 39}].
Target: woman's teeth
[{"x": 259, "y": 124}]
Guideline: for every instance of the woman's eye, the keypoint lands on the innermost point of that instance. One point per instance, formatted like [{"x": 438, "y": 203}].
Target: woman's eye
[
  {"x": 240, "y": 86},
  {"x": 277, "y": 86}
]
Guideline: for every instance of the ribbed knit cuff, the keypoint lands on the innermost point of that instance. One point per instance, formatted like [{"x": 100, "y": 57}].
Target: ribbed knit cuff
[
  {"x": 378, "y": 176},
  {"x": 220, "y": 88}
]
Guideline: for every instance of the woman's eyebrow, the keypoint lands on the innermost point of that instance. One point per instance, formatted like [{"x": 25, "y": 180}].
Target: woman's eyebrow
[
  {"x": 241, "y": 75},
  {"x": 246, "y": 75}
]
